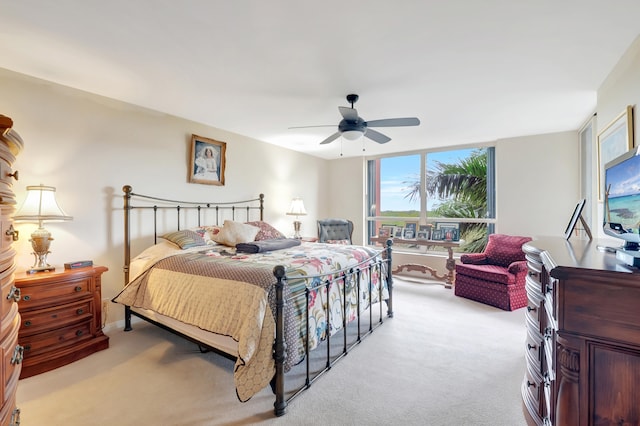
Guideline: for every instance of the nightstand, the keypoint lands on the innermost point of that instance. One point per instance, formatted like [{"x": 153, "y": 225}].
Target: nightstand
[{"x": 61, "y": 314}]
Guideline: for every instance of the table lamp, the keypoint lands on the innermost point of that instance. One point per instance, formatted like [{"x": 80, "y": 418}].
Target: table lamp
[
  {"x": 40, "y": 206},
  {"x": 297, "y": 210}
]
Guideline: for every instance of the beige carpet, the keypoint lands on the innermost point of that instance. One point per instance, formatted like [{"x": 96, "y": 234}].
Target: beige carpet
[{"x": 442, "y": 360}]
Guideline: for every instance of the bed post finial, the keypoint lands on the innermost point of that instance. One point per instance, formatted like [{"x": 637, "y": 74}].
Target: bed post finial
[
  {"x": 280, "y": 406},
  {"x": 262, "y": 207}
]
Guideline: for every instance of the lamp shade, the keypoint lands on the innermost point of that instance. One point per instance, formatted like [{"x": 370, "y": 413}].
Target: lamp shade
[
  {"x": 352, "y": 135},
  {"x": 41, "y": 206},
  {"x": 297, "y": 208}
]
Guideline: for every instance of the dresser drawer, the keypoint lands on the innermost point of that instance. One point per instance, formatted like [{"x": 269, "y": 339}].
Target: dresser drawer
[
  {"x": 6, "y": 225},
  {"x": 6, "y": 286},
  {"x": 33, "y": 322},
  {"x": 11, "y": 357},
  {"x": 534, "y": 348},
  {"x": 55, "y": 339},
  {"x": 51, "y": 293},
  {"x": 533, "y": 392}
]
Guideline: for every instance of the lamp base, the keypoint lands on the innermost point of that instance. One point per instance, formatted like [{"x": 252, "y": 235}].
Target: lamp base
[
  {"x": 40, "y": 242},
  {"x": 296, "y": 229}
]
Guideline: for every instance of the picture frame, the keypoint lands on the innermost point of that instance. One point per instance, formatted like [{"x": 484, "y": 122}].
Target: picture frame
[
  {"x": 422, "y": 235},
  {"x": 577, "y": 215},
  {"x": 398, "y": 231},
  {"x": 440, "y": 225},
  {"x": 207, "y": 161},
  {"x": 436, "y": 235},
  {"x": 450, "y": 233},
  {"x": 384, "y": 232},
  {"x": 408, "y": 233},
  {"x": 428, "y": 228},
  {"x": 614, "y": 139}
]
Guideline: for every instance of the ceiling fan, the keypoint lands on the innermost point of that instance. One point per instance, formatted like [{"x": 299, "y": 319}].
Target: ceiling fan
[{"x": 352, "y": 126}]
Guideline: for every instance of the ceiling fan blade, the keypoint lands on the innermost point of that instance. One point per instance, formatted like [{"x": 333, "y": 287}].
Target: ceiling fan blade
[
  {"x": 331, "y": 138},
  {"x": 349, "y": 114},
  {"x": 394, "y": 122},
  {"x": 377, "y": 136},
  {"x": 311, "y": 127}
]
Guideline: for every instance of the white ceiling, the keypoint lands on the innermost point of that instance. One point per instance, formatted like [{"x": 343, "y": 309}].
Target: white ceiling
[{"x": 471, "y": 71}]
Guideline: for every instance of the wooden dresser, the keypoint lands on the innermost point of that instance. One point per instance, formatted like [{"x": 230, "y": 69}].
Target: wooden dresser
[
  {"x": 61, "y": 317},
  {"x": 10, "y": 351},
  {"x": 583, "y": 336}
]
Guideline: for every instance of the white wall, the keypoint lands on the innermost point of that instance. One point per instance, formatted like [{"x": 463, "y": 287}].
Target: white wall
[
  {"x": 620, "y": 88},
  {"x": 88, "y": 147}
]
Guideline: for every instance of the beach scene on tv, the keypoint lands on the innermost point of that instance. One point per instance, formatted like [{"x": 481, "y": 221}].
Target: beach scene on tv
[{"x": 623, "y": 202}]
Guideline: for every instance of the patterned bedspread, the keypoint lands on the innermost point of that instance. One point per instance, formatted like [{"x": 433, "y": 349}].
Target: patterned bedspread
[{"x": 233, "y": 294}]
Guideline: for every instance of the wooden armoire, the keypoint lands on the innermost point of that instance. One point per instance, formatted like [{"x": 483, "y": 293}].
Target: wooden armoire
[{"x": 11, "y": 352}]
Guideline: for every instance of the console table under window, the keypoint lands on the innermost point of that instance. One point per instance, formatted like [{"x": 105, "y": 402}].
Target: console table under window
[{"x": 447, "y": 277}]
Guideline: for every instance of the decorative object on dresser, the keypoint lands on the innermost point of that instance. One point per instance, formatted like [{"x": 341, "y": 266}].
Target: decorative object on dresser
[
  {"x": 495, "y": 277},
  {"x": 297, "y": 209},
  {"x": 577, "y": 215},
  {"x": 61, "y": 317},
  {"x": 10, "y": 145},
  {"x": 583, "y": 339},
  {"x": 41, "y": 206}
]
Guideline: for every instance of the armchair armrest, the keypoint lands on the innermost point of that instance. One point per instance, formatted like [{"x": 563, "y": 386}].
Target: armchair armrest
[
  {"x": 474, "y": 258},
  {"x": 518, "y": 267}
]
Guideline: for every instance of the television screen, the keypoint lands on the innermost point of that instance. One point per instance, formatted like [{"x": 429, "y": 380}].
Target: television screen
[{"x": 622, "y": 197}]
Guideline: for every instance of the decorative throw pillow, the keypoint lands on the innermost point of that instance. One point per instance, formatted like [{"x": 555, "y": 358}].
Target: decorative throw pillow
[
  {"x": 266, "y": 232},
  {"x": 185, "y": 239},
  {"x": 207, "y": 233},
  {"x": 344, "y": 242},
  {"x": 504, "y": 249},
  {"x": 233, "y": 233}
]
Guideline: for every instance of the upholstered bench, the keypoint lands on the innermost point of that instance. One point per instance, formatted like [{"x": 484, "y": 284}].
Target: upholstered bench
[{"x": 496, "y": 277}]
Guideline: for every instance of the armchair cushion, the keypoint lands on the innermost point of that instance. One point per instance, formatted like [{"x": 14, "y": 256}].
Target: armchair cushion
[
  {"x": 504, "y": 249},
  {"x": 493, "y": 273},
  {"x": 474, "y": 258}
]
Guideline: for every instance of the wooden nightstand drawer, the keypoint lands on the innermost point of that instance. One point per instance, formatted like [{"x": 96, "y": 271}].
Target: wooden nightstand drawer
[
  {"x": 51, "y": 318},
  {"x": 55, "y": 339},
  {"x": 33, "y": 296},
  {"x": 61, "y": 317}
]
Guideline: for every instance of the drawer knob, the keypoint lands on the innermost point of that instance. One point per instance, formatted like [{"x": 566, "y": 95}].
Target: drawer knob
[
  {"x": 529, "y": 384},
  {"x": 14, "y": 175},
  {"x": 18, "y": 355},
  {"x": 530, "y": 346},
  {"x": 26, "y": 298},
  {"x": 80, "y": 311},
  {"x": 14, "y": 294},
  {"x": 27, "y": 323},
  {"x": 13, "y": 233},
  {"x": 27, "y": 348},
  {"x": 79, "y": 333},
  {"x": 531, "y": 309},
  {"x": 78, "y": 288}
]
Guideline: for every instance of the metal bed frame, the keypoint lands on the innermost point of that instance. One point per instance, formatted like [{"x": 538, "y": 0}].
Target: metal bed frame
[{"x": 230, "y": 210}]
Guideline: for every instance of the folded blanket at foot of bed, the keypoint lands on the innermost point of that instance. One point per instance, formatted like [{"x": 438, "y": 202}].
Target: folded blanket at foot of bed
[{"x": 267, "y": 245}]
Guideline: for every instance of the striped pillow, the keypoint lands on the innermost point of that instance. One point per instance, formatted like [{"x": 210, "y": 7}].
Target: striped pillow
[{"x": 185, "y": 239}]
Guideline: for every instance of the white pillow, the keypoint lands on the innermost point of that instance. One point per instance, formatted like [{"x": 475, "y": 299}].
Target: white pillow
[{"x": 233, "y": 233}]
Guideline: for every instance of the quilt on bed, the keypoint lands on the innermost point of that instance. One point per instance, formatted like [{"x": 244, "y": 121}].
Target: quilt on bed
[{"x": 215, "y": 287}]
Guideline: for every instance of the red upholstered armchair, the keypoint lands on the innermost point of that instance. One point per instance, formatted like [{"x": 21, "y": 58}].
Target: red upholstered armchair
[{"x": 497, "y": 276}]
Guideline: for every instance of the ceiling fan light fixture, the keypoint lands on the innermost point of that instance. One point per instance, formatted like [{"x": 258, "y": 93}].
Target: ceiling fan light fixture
[{"x": 352, "y": 135}]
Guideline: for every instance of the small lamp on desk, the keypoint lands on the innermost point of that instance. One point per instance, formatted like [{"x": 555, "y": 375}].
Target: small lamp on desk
[
  {"x": 297, "y": 209},
  {"x": 41, "y": 206}
]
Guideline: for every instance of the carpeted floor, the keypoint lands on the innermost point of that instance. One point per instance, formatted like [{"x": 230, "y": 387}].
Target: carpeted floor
[{"x": 442, "y": 360}]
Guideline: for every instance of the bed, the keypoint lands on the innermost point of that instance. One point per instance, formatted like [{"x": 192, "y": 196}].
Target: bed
[{"x": 217, "y": 274}]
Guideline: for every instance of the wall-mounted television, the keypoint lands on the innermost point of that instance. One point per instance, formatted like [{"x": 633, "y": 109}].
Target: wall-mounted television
[{"x": 622, "y": 198}]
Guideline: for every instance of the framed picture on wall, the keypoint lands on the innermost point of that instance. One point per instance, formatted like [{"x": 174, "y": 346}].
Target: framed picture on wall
[
  {"x": 207, "y": 161},
  {"x": 614, "y": 140}
]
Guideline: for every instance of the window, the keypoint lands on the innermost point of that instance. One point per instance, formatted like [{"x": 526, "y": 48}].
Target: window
[{"x": 431, "y": 191}]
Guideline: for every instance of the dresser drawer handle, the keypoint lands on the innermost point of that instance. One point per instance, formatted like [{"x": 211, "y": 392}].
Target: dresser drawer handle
[
  {"x": 548, "y": 289},
  {"x": 14, "y": 234},
  {"x": 27, "y": 323},
  {"x": 15, "y": 418},
  {"x": 14, "y": 294},
  {"x": 533, "y": 274},
  {"x": 80, "y": 311},
  {"x": 529, "y": 384},
  {"x": 18, "y": 355},
  {"x": 26, "y": 298},
  {"x": 79, "y": 333},
  {"x": 14, "y": 175},
  {"x": 78, "y": 288},
  {"x": 530, "y": 346},
  {"x": 27, "y": 348},
  {"x": 531, "y": 309}
]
